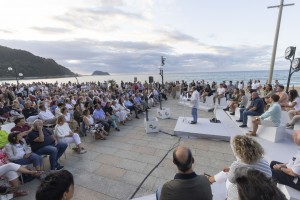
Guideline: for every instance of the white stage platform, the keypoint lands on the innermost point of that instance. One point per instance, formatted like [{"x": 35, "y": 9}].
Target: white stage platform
[
  {"x": 280, "y": 151},
  {"x": 203, "y": 129}
]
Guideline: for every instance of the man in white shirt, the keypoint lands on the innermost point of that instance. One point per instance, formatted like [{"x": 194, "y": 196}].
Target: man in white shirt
[
  {"x": 288, "y": 173},
  {"x": 195, "y": 103},
  {"x": 219, "y": 94},
  {"x": 46, "y": 115}
]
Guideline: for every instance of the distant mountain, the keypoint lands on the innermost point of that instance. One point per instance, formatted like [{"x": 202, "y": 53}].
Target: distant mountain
[
  {"x": 29, "y": 64},
  {"x": 97, "y": 73}
]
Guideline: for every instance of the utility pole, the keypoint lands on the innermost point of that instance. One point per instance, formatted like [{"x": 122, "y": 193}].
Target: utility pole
[{"x": 276, "y": 37}]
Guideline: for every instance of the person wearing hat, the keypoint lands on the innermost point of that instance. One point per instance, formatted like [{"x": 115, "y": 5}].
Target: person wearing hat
[
  {"x": 284, "y": 98},
  {"x": 195, "y": 103}
]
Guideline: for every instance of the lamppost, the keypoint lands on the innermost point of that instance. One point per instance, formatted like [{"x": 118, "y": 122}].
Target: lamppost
[
  {"x": 18, "y": 76},
  {"x": 294, "y": 64},
  {"x": 161, "y": 73}
]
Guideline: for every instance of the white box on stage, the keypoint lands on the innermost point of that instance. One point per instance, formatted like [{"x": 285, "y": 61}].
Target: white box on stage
[
  {"x": 163, "y": 113},
  {"x": 272, "y": 134},
  {"x": 152, "y": 125}
]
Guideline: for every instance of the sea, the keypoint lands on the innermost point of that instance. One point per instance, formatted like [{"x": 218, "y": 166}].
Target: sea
[{"x": 280, "y": 75}]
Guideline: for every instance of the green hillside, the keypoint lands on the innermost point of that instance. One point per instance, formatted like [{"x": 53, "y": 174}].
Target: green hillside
[{"x": 29, "y": 64}]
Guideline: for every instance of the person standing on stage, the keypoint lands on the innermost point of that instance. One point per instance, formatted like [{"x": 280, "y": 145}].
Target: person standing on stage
[{"x": 195, "y": 103}]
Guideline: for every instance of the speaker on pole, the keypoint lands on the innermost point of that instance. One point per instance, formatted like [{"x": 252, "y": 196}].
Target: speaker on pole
[
  {"x": 135, "y": 79},
  {"x": 150, "y": 79}
]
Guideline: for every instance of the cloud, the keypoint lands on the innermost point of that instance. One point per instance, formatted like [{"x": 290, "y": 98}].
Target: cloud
[
  {"x": 142, "y": 57},
  {"x": 50, "y": 30},
  {"x": 178, "y": 36},
  {"x": 5, "y": 31},
  {"x": 102, "y": 18}
]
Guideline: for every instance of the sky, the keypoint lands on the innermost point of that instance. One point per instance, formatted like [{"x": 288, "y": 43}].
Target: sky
[{"x": 130, "y": 36}]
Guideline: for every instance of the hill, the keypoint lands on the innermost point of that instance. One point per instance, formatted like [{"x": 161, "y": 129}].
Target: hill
[
  {"x": 97, "y": 73},
  {"x": 29, "y": 64}
]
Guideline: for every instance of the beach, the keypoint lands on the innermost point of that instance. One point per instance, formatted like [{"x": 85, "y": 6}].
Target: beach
[{"x": 169, "y": 76}]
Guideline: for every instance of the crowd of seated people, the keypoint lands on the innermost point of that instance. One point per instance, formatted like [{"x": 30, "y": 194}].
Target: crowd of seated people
[
  {"x": 73, "y": 111},
  {"x": 49, "y": 117}
]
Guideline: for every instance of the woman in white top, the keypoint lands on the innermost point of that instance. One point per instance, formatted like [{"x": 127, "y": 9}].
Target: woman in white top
[
  {"x": 121, "y": 114},
  {"x": 120, "y": 104},
  {"x": 88, "y": 122},
  {"x": 294, "y": 101},
  {"x": 64, "y": 134},
  {"x": 18, "y": 152}
]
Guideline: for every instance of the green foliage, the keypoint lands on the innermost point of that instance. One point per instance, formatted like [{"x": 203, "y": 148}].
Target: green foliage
[
  {"x": 29, "y": 64},
  {"x": 112, "y": 82}
]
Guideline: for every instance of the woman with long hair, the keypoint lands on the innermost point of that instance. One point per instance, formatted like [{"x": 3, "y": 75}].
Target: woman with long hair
[{"x": 18, "y": 151}]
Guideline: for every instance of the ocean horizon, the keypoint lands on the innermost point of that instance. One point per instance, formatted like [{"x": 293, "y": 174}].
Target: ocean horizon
[{"x": 280, "y": 75}]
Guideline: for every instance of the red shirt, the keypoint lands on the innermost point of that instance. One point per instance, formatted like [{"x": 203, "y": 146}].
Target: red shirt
[{"x": 25, "y": 127}]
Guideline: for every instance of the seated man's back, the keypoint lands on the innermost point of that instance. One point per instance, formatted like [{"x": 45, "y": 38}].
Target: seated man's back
[
  {"x": 186, "y": 184},
  {"x": 189, "y": 187}
]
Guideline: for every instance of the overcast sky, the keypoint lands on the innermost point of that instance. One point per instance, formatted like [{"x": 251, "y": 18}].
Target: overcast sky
[{"x": 125, "y": 36}]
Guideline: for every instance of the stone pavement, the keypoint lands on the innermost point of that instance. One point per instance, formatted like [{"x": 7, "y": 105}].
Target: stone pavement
[{"x": 114, "y": 168}]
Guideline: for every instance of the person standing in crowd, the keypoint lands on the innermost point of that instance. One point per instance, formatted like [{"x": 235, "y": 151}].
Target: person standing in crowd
[{"x": 195, "y": 103}]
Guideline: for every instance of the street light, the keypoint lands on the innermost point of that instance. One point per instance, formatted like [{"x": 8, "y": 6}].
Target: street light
[
  {"x": 294, "y": 64},
  {"x": 161, "y": 73},
  {"x": 18, "y": 76}
]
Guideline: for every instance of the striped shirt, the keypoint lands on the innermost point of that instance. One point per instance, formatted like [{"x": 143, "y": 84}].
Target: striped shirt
[{"x": 261, "y": 165}]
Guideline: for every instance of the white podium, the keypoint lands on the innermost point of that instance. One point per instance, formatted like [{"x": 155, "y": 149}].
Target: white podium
[
  {"x": 152, "y": 125},
  {"x": 163, "y": 113}
]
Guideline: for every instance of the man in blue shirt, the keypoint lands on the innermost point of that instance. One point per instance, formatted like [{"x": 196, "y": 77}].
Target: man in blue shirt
[
  {"x": 271, "y": 117},
  {"x": 128, "y": 104},
  {"x": 256, "y": 108},
  {"x": 99, "y": 116},
  {"x": 43, "y": 142}
]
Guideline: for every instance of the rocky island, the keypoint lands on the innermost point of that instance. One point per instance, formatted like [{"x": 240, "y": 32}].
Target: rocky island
[{"x": 99, "y": 73}]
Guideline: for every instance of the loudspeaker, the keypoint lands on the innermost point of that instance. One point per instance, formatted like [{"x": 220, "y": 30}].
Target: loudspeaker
[
  {"x": 135, "y": 79},
  {"x": 150, "y": 79}
]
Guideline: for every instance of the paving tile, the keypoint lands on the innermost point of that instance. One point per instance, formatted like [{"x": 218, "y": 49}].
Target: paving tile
[
  {"x": 110, "y": 172},
  {"x": 131, "y": 165},
  {"x": 134, "y": 178},
  {"x": 120, "y": 190},
  {"x": 90, "y": 166},
  {"x": 144, "y": 150},
  {"x": 81, "y": 193},
  {"x": 108, "y": 159}
]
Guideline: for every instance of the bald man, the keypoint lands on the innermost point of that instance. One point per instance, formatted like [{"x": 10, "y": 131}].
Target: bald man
[
  {"x": 43, "y": 142},
  {"x": 256, "y": 108},
  {"x": 186, "y": 183},
  {"x": 288, "y": 173}
]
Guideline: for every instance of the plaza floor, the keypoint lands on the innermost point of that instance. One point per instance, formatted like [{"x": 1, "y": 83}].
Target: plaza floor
[{"x": 114, "y": 168}]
